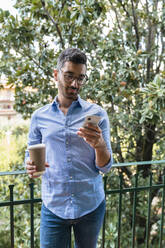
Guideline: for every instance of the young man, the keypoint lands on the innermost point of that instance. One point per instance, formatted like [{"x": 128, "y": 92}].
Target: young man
[{"x": 72, "y": 188}]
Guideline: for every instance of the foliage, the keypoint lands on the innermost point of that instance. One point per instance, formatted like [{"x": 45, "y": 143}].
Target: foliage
[
  {"x": 12, "y": 146},
  {"x": 154, "y": 100},
  {"x": 21, "y": 212},
  {"x": 125, "y": 47},
  {"x": 124, "y": 41},
  {"x": 15, "y": 150},
  {"x": 117, "y": 180}
]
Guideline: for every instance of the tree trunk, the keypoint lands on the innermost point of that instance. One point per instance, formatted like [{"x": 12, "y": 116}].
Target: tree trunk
[{"x": 148, "y": 141}]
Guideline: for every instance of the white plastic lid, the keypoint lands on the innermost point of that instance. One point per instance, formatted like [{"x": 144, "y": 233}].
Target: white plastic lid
[{"x": 36, "y": 146}]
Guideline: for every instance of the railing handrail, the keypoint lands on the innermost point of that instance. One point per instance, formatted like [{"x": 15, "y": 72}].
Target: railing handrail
[
  {"x": 138, "y": 163},
  {"x": 116, "y": 165},
  {"x": 121, "y": 190}
]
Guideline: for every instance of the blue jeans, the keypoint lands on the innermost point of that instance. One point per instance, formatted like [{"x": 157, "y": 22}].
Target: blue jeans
[{"x": 55, "y": 232}]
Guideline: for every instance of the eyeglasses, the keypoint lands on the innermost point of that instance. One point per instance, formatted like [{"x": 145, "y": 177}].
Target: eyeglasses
[{"x": 69, "y": 78}]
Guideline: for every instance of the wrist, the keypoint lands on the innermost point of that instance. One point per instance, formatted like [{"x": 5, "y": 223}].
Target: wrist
[{"x": 100, "y": 146}]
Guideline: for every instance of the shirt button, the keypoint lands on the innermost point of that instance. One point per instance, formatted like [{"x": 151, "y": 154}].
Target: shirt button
[
  {"x": 67, "y": 142},
  {"x": 68, "y": 159},
  {"x": 72, "y": 194},
  {"x": 71, "y": 177}
]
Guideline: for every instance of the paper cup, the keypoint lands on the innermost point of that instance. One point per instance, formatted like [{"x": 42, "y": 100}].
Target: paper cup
[{"x": 37, "y": 155}]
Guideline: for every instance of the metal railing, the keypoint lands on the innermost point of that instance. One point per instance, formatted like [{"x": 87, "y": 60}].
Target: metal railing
[{"x": 134, "y": 189}]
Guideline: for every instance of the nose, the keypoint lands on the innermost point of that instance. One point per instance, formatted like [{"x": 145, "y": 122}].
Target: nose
[{"x": 75, "y": 83}]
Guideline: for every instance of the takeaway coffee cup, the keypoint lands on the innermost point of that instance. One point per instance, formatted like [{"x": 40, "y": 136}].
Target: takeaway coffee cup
[{"x": 37, "y": 155}]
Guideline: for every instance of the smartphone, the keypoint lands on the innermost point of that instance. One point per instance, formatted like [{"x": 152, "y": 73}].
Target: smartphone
[{"x": 93, "y": 119}]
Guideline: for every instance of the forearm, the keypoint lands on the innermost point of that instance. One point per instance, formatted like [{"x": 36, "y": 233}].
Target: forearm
[
  {"x": 102, "y": 155},
  {"x": 93, "y": 136}
]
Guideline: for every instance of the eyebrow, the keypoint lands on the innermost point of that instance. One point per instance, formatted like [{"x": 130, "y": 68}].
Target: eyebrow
[{"x": 70, "y": 72}]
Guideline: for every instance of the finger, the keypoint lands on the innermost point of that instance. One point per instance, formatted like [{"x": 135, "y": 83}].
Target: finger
[
  {"x": 30, "y": 162},
  {"x": 31, "y": 171},
  {"x": 31, "y": 167},
  {"x": 46, "y": 164},
  {"x": 33, "y": 176},
  {"x": 87, "y": 129},
  {"x": 91, "y": 137},
  {"x": 93, "y": 127},
  {"x": 91, "y": 141},
  {"x": 90, "y": 128},
  {"x": 88, "y": 132},
  {"x": 80, "y": 133}
]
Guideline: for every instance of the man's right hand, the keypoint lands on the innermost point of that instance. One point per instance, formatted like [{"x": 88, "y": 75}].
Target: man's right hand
[{"x": 31, "y": 168}]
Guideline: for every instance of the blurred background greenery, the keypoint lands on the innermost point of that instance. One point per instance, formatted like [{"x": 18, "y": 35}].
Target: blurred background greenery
[{"x": 125, "y": 44}]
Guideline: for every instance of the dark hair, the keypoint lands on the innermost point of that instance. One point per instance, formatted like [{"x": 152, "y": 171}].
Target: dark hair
[{"x": 71, "y": 54}]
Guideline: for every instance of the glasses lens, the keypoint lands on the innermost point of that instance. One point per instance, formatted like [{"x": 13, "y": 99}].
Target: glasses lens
[
  {"x": 84, "y": 80},
  {"x": 70, "y": 78}
]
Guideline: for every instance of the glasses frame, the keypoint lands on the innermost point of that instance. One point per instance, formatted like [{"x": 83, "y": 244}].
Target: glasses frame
[{"x": 70, "y": 78}]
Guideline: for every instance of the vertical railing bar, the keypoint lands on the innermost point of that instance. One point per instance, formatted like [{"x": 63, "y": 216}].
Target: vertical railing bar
[
  {"x": 11, "y": 216},
  {"x": 134, "y": 211},
  {"x": 104, "y": 223},
  {"x": 162, "y": 215},
  {"x": 119, "y": 211},
  {"x": 32, "y": 214},
  {"x": 148, "y": 222},
  {"x": 149, "y": 213}
]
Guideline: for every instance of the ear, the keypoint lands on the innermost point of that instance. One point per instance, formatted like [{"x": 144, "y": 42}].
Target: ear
[{"x": 55, "y": 74}]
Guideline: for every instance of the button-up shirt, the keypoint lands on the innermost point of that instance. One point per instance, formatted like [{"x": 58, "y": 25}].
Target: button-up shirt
[{"x": 72, "y": 184}]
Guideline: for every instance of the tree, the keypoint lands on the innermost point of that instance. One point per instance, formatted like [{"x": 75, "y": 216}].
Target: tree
[{"x": 124, "y": 40}]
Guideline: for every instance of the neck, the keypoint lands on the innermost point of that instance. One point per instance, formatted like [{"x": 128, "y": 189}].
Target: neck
[{"x": 64, "y": 102}]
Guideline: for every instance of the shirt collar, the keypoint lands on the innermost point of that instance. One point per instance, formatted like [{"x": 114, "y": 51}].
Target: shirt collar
[{"x": 79, "y": 101}]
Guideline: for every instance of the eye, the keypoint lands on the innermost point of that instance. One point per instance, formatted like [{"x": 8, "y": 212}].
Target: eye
[
  {"x": 69, "y": 77},
  {"x": 81, "y": 78}
]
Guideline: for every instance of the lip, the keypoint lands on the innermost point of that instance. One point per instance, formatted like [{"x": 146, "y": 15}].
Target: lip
[{"x": 73, "y": 91}]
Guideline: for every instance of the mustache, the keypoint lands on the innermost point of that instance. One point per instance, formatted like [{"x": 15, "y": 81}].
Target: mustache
[{"x": 73, "y": 88}]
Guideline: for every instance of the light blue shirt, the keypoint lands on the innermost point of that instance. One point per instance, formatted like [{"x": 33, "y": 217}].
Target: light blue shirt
[{"x": 72, "y": 186}]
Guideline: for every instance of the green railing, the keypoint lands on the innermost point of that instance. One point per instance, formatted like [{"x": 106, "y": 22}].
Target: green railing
[
  {"x": 123, "y": 201},
  {"x": 134, "y": 189}
]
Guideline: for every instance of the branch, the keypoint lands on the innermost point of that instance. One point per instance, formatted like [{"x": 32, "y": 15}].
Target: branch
[
  {"x": 54, "y": 22},
  {"x": 63, "y": 4},
  {"x": 31, "y": 58},
  {"x": 135, "y": 24},
  {"x": 160, "y": 137},
  {"x": 123, "y": 6},
  {"x": 151, "y": 40},
  {"x": 148, "y": 43},
  {"x": 127, "y": 171},
  {"x": 163, "y": 48},
  {"x": 137, "y": 2},
  {"x": 118, "y": 23}
]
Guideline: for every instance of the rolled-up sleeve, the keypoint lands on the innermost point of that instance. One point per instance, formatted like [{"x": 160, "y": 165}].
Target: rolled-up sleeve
[
  {"x": 34, "y": 136},
  {"x": 105, "y": 127}
]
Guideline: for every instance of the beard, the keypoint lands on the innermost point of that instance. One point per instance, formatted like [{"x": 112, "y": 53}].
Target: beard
[{"x": 71, "y": 92}]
